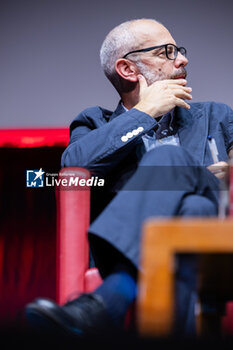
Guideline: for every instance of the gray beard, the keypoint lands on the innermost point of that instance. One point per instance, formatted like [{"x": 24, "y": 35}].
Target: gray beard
[{"x": 151, "y": 77}]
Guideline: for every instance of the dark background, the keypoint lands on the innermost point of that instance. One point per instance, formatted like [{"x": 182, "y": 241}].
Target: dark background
[{"x": 50, "y": 67}]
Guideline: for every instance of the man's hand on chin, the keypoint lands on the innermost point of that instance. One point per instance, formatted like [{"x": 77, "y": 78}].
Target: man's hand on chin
[{"x": 162, "y": 96}]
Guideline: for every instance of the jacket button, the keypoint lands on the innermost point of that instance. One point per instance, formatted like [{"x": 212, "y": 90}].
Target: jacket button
[
  {"x": 124, "y": 138},
  {"x": 140, "y": 129},
  {"x": 129, "y": 135},
  {"x": 135, "y": 132}
]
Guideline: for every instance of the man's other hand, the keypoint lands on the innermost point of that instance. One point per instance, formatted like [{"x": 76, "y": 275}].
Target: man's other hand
[{"x": 220, "y": 170}]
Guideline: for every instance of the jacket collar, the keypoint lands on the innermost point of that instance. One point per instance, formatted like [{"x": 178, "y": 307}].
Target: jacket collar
[{"x": 119, "y": 110}]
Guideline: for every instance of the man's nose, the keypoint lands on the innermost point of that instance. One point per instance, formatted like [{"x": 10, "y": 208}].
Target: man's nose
[{"x": 180, "y": 60}]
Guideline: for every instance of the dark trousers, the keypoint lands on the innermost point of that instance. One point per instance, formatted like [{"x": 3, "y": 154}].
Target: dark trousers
[{"x": 168, "y": 182}]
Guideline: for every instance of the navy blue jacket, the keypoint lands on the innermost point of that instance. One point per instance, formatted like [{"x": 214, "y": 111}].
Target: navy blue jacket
[
  {"x": 106, "y": 143},
  {"x": 99, "y": 139}
]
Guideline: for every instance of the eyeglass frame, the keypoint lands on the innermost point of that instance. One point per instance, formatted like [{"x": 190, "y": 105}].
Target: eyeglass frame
[{"x": 178, "y": 49}]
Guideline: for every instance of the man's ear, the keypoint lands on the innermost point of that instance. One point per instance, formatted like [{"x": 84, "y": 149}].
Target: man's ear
[{"x": 127, "y": 69}]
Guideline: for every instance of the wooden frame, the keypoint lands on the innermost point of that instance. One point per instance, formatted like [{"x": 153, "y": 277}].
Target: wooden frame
[{"x": 162, "y": 239}]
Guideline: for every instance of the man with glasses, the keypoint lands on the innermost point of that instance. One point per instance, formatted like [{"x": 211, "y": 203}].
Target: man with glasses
[{"x": 153, "y": 153}]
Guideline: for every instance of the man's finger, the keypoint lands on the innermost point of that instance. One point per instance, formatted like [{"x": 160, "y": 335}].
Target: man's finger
[
  {"x": 218, "y": 165},
  {"x": 142, "y": 82},
  {"x": 181, "y": 103},
  {"x": 182, "y": 94},
  {"x": 184, "y": 88},
  {"x": 176, "y": 81}
]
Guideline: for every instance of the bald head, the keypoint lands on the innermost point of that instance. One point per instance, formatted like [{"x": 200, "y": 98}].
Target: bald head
[
  {"x": 129, "y": 36},
  {"x": 146, "y": 30}
]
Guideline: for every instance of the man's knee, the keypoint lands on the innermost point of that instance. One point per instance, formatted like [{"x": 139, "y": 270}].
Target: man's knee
[{"x": 196, "y": 205}]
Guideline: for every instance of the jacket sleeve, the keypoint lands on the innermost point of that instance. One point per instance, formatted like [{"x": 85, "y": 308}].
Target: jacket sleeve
[
  {"x": 227, "y": 125},
  {"x": 99, "y": 145},
  {"x": 230, "y": 130}
]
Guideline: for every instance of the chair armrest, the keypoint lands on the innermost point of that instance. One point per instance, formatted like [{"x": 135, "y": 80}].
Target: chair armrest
[
  {"x": 92, "y": 279},
  {"x": 73, "y": 216}
]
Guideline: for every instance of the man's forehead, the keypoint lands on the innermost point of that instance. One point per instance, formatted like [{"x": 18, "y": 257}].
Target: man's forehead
[{"x": 151, "y": 33}]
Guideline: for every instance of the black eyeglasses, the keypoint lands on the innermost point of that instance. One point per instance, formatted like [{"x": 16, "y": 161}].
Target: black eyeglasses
[{"x": 171, "y": 51}]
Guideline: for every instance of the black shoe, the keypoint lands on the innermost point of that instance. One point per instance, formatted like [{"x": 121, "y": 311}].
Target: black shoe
[{"x": 83, "y": 316}]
